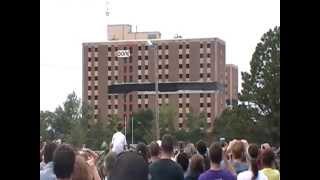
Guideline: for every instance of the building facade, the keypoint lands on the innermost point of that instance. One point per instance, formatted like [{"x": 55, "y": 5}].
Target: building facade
[
  {"x": 231, "y": 90},
  {"x": 124, "y": 32}
]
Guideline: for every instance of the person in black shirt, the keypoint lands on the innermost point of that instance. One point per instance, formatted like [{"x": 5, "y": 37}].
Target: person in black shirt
[{"x": 165, "y": 168}]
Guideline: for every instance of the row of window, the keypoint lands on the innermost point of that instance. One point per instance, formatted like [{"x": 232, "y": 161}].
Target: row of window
[
  {"x": 181, "y": 115},
  {"x": 95, "y": 59},
  {"x": 146, "y": 96}
]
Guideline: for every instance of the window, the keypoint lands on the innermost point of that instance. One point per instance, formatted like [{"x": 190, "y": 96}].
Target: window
[
  {"x": 139, "y": 57},
  {"x": 89, "y": 59},
  {"x": 146, "y": 47},
  {"x": 167, "y": 76},
  {"x": 130, "y": 107},
  {"x": 139, "y": 96},
  {"x": 124, "y": 78},
  {"x": 89, "y": 97},
  {"x": 159, "y": 67},
  {"x": 146, "y": 57},
  {"x": 89, "y": 68},
  {"x": 109, "y": 78},
  {"x": 89, "y": 49},
  {"x": 201, "y": 104},
  {"x": 160, "y": 56},
  {"x": 208, "y": 95},
  {"x": 124, "y": 107},
  {"x": 125, "y": 69},
  {"x": 180, "y": 76},
  {"x": 208, "y": 55},
  {"x": 180, "y": 114},
  {"x": 130, "y": 97},
  {"x": 159, "y": 47},
  {"x": 109, "y": 97},
  {"x": 180, "y": 56},
  {"x": 130, "y": 78},
  {"x": 201, "y": 75},
  {"x": 180, "y": 125},
  {"x": 116, "y": 58},
  {"x": 208, "y": 45},
  {"x": 187, "y": 105},
  {"x": 208, "y": 75},
  {"x": 109, "y": 68},
  {"x": 95, "y": 87},
  {"x": 187, "y": 95},
  {"x": 95, "y": 107},
  {"x": 139, "y": 48},
  {"x": 139, "y": 67},
  {"x": 89, "y": 88},
  {"x": 139, "y": 106},
  {"x": 201, "y": 55},
  {"x": 201, "y": 95},
  {"x": 146, "y": 96},
  {"x": 124, "y": 48},
  {"x": 96, "y": 116},
  {"x": 180, "y": 46},
  {"x": 160, "y": 95},
  {"x": 167, "y": 47},
  {"x": 146, "y": 67},
  {"x": 89, "y": 78},
  {"x": 116, "y": 48},
  {"x": 96, "y": 78},
  {"x": 180, "y": 95},
  {"x": 208, "y": 65},
  {"x": 180, "y": 65},
  {"x": 109, "y": 58},
  {"x": 116, "y": 78},
  {"x": 160, "y": 76},
  {"x": 130, "y": 59},
  {"x": 96, "y": 68},
  {"x": 109, "y": 106},
  {"x": 109, "y": 48},
  {"x": 187, "y": 56},
  {"x": 180, "y": 105},
  {"x": 187, "y": 46},
  {"x": 116, "y": 68},
  {"x": 95, "y": 49},
  {"x": 187, "y": 76},
  {"x": 209, "y": 114},
  {"x": 146, "y": 76},
  {"x": 167, "y": 57},
  {"x": 116, "y": 106},
  {"x": 187, "y": 65},
  {"x": 130, "y": 68},
  {"x": 209, "y": 105},
  {"x": 167, "y": 96},
  {"x": 167, "y": 66},
  {"x": 146, "y": 106},
  {"x": 139, "y": 77},
  {"x": 201, "y": 45},
  {"x": 201, "y": 65}
]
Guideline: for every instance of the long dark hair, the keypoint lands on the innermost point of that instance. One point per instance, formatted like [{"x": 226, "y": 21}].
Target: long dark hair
[{"x": 253, "y": 151}]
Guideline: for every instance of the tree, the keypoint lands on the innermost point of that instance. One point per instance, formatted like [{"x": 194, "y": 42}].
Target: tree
[
  {"x": 142, "y": 126},
  {"x": 46, "y": 119},
  {"x": 167, "y": 119},
  {"x": 261, "y": 87}
]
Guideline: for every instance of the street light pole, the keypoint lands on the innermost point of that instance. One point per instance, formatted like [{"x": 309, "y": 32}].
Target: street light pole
[
  {"x": 156, "y": 105},
  {"x": 131, "y": 129}
]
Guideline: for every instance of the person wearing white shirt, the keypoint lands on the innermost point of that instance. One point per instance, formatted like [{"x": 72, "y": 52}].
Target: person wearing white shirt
[{"x": 119, "y": 141}]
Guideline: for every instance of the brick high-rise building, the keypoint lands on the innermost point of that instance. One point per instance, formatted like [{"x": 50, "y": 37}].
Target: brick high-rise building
[
  {"x": 190, "y": 72},
  {"x": 231, "y": 89}
]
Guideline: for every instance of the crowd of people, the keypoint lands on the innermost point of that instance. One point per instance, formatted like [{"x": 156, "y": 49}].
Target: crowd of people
[{"x": 161, "y": 160}]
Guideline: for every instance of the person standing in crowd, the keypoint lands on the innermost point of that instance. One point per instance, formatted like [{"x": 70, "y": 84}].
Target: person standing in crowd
[
  {"x": 81, "y": 169},
  {"x": 109, "y": 163},
  {"x": 154, "y": 152},
  {"x": 165, "y": 168},
  {"x": 91, "y": 157},
  {"x": 190, "y": 150},
  {"x": 238, "y": 154},
  {"x": 63, "y": 162},
  {"x": 47, "y": 172},
  {"x": 183, "y": 161},
  {"x": 196, "y": 167},
  {"x": 142, "y": 150},
  {"x": 202, "y": 150},
  {"x": 268, "y": 159},
  {"x": 253, "y": 172},
  {"x": 215, "y": 171},
  {"x": 119, "y": 141}
]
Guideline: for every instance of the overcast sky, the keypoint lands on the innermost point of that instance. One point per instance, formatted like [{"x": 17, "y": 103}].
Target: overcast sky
[{"x": 65, "y": 24}]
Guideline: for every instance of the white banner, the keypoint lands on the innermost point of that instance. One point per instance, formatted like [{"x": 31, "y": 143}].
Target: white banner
[{"x": 123, "y": 53}]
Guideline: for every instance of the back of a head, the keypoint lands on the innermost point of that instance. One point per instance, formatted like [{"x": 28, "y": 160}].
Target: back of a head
[
  {"x": 48, "y": 152},
  {"x": 197, "y": 163},
  {"x": 202, "y": 147},
  {"x": 253, "y": 152},
  {"x": 119, "y": 127},
  {"x": 129, "y": 165},
  {"x": 81, "y": 169},
  {"x": 63, "y": 159},
  {"x": 215, "y": 153},
  {"x": 183, "y": 160},
  {"x": 142, "y": 150},
  {"x": 154, "y": 149},
  {"x": 268, "y": 158},
  {"x": 238, "y": 150},
  {"x": 167, "y": 143}
]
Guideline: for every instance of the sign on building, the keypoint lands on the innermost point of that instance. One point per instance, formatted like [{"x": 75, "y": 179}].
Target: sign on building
[{"x": 123, "y": 53}]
